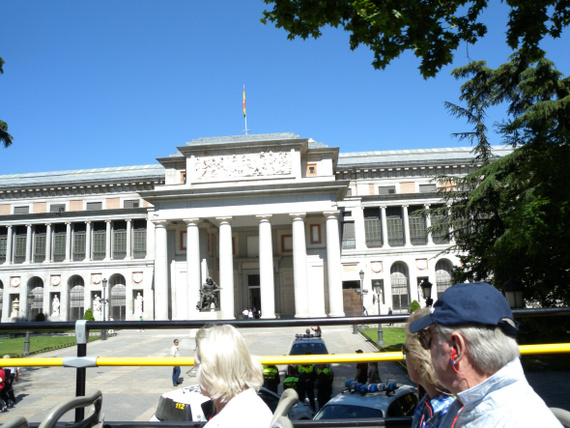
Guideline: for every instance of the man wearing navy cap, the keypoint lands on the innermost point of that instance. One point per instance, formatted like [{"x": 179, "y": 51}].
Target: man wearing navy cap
[{"x": 470, "y": 335}]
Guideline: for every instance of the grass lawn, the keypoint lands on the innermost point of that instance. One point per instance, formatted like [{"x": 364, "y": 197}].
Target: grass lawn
[
  {"x": 394, "y": 337},
  {"x": 40, "y": 343}
]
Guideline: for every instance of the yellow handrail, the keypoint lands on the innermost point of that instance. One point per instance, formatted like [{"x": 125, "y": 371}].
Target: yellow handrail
[{"x": 552, "y": 348}]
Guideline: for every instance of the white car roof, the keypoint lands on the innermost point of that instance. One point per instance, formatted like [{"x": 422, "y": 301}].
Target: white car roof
[{"x": 373, "y": 400}]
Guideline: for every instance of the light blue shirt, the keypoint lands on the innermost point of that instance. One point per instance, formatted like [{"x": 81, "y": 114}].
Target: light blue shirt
[{"x": 503, "y": 400}]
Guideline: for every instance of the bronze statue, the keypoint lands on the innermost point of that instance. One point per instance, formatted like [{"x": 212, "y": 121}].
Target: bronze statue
[{"x": 209, "y": 293}]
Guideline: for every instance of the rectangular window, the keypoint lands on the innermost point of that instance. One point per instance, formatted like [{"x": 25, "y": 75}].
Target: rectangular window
[
  {"x": 373, "y": 227},
  {"x": 439, "y": 236},
  {"x": 315, "y": 233},
  {"x": 20, "y": 245},
  {"x": 311, "y": 169},
  {"x": 21, "y": 210},
  {"x": 139, "y": 239},
  {"x": 3, "y": 244},
  {"x": 395, "y": 226},
  {"x": 79, "y": 242},
  {"x": 94, "y": 206},
  {"x": 40, "y": 244},
  {"x": 418, "y": 233},
  {"x": 427, "y": 188},
  {"x": 348, "y": 238},
  {"x": 57, "y": 208},
  {"x": 386, "y": 190},
  {"x": 59, "y": 243},
  {"x": 131, "y": 203},
  {"x": 99, "y": 241},
  {"x": 119, "y": 240},
  {"x": 286, "y": 243}
]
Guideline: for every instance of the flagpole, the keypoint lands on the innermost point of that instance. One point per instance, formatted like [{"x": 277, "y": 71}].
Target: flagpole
[{"x": 244, "y": 111}]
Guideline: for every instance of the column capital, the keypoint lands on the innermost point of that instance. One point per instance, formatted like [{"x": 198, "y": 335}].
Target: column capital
[
  {"x": 160, "y": 223},
  {"x": 191, "y": 220},
  {"x": 335, "y": 213},
  {"x": 298, "y": 215},
  {"x": 224, "y": 219},
  {"x": 262, "y": 217},
  {"x": 405, "y": 206}
]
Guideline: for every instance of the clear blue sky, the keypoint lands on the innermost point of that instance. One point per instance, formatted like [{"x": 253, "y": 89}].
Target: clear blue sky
[{"x": 91, "y": 84}]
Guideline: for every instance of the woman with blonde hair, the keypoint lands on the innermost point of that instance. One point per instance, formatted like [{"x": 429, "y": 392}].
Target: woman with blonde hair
[
  {"x": 231, "y": 378},
  {"x": 435, "y": 403}
]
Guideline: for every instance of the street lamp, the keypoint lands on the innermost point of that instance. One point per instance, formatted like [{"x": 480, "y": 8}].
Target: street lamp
[
  {"x": 28, "y": 315},
  {"x": 361, "y": 274},
  {"x": 426, "y": 291},
  {"x": 104, "y": 301},
  {"x": 377, "y": 286},
  {"x": 514, "y": 293}
]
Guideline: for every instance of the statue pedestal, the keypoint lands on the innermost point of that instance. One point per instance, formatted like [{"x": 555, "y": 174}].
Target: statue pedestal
[{"x": 210, "y": 315}]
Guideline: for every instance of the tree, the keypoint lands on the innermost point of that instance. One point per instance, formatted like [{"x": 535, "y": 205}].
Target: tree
[
  {"x": 5, "y": 138},
  {"x": 432, "y": 30},
  {"x": 89, "y": 315},
  {"x": 510, "y": 219}
]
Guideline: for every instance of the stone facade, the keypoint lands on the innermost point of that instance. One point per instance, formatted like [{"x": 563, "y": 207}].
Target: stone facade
[{"x": 281, "y": 223}]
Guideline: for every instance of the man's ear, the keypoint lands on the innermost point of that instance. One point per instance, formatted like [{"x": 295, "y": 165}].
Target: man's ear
[{"x": 458, "y": 345}]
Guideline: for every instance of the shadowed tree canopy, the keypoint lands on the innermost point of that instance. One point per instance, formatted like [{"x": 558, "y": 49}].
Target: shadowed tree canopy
[
  {"x": 432, "y": 30},
  {"x": 5, "y": 138},
  {"x": 511, "y": 218}
]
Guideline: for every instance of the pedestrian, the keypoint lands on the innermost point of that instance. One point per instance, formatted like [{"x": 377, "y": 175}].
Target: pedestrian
[
  {"x": 435, "y": 403},
  {"x": 175, "y": 353},
  {"x": 323, "y": 384},
  {"x": 250, "y": 314},
  {"x": 3, "y": 396},
  {"x": 111, "y": 331},
  {"x": 306, "y": 386},
  {"x": 390, "y": 313},
  {"x": 245, "y": 313},
  {"x": 271, "y": 377},
  {"x": 361, "y": 370},
  {"x": 318, "y": 331},
  {"x": 373, "y": 372},
  {"x": 141, "y": 329},
  {"x": 291, "y": 381},
  {"x": 12, "y": 375},
  {"x": 471, "y": 338}
]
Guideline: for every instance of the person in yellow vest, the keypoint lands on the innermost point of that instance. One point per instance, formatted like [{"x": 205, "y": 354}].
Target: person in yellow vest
[
  {"x": 324, "y": 383},
  {"x": 271, "y": 377},
  {"x": 306, "y": 387}
]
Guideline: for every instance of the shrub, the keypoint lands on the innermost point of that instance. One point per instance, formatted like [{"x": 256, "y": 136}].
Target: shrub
[
  {"x": 40, "y": 317},
  {"x": 414, "y": 306},
  {"x": 89, "y": 315}
]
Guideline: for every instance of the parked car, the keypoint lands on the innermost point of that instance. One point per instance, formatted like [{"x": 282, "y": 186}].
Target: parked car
[
  {"x": 390, "y": 401},
  {"x": 188, "y": 404},
  {"x": 304, "y": 343}
]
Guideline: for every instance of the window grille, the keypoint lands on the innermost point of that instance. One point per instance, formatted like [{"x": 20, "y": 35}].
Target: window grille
[
  {"x": 395, "y": 226},
  {"x": 400, "y": 290},
  {"x": 373, "y": 227},
  {"x": 428, "y": 188},
  {"x": 118, "y": 302},
  {"x": 139, "y": 243},
  {"x": 443, "y": 277},
  {"x": 418, "y": 226},
  {"x": 20, "y": 245},
  {"x": 79, "y": 244},
  {"x": 76, "y": 309},
  {"x": 348, "y": 238},
  {"x": 132, "y": 203},
  {"x": 21, "y": 210},
  {"x": 39, "y": 247},
  {"x": 94, "y": 206},
  {"x": 386, "y": 190}
]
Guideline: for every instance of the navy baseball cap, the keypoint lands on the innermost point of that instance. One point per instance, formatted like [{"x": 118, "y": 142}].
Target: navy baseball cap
[{"x": 470, "y": 303}]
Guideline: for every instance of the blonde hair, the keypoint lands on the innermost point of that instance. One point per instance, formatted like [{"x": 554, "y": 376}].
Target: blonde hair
[
  {"x": 224, "y": 366},
  {"x": 415, "y": 349}
]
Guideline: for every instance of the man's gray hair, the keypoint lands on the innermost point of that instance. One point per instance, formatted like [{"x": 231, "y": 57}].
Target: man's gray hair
[
  {"x": 224, "y": 366},
  {"x": 489, "y": 348}
]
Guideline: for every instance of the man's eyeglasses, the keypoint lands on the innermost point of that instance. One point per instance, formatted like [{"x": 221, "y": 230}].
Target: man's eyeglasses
[{"x": 424, "y": 336}]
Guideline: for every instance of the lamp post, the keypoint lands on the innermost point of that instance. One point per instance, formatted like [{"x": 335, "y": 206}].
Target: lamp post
[
  {"x": 514, "y": 293},
  {"x": 426, "y": 291},
  {"x": 361, "y": 274},
  {"x": 104, "y": 302},
  {"x": 377, "y": 286},
  {"x": 28, "y": 314}
]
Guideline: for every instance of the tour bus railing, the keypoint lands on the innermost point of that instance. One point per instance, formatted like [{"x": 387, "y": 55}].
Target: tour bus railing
[{"x": 82, "y": 327}]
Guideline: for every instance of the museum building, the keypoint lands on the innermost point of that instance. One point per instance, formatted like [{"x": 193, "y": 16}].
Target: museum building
[{"x": 282, "y": 224}]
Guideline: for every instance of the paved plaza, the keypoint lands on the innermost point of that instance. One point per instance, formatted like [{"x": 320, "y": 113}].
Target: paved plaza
[{"x": 131, "y": 393}]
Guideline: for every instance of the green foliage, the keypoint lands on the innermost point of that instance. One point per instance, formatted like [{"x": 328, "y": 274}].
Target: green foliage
[
  {"x": 510, "y": 217},
  {"x": 432, "y": 30},
  {"x": 41, "y": 317},
  {"x": 414, "y": 306},
  {"x": 89, "y": 315}
]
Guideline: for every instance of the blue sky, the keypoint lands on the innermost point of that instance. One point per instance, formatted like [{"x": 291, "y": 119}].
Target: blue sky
[{"x": 114, "y": 83}]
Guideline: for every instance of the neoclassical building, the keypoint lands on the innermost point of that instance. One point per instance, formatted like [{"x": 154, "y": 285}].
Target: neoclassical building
[{"x": 279, "y": 222}]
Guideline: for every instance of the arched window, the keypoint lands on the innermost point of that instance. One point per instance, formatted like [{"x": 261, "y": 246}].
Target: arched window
[
  {"x": 36, "y": 285},
  {"x": 443, "y": 278},
  {"x": 76, "y": 305},
  {"x": 118, "y": 304},
  {"x": 399, "y": 283}
]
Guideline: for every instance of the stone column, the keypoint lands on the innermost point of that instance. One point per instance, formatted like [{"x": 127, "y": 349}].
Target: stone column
[
  {"x": 428, "y": 224},
  {"x": 385, "y": 242},
  {"x": 300, "y": 266},
  {"x": 88, "y": 242},
  {"x": 28, "y": 244},
  {"x": 108, "y": 232},
  {"x": 128, "y": 256},
  {"x": 48, "y": 244},
  {"x": 334, "y": 274},
  {"x": 226, "y": 269},
  {"x": 266, "y": 276},
  {"x": 406, "y": 225},
  {"x": 161, "y": 271},
  {"x": 67, "y": 242},
  {"x": 9, "y": 244},
  {"x": 193, "y": 273}
]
